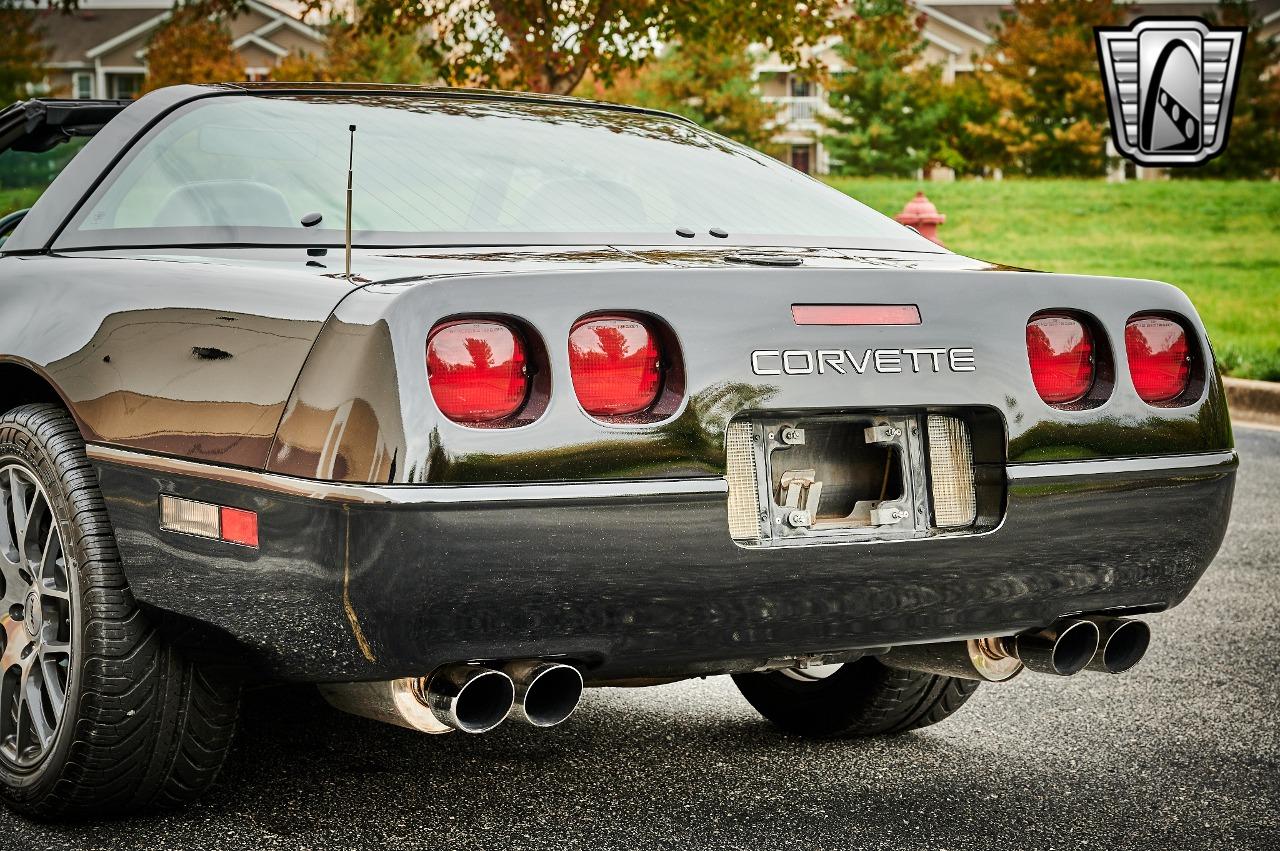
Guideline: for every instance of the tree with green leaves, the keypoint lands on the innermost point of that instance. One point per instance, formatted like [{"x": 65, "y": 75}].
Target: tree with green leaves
[
  {"x": 886, "y": 112},
  {"x": 23, "y": 51},
  {"x": 1041, "y": 75},
  {"x": 1253, "y": 143},
  {"x": 967, "y": 105},
  {"x": 552, "y": 46},
  {"x": 710, "y": 84},
  {"x": 355, "y": 53},
  {"x": 192, "y": 46}
]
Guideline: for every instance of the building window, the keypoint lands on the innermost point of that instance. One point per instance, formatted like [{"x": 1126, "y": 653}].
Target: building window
[
  {"x": 800, "y": 87},
  {"x": 82, "y": 85},
  {"x": 124, "y": 86}
]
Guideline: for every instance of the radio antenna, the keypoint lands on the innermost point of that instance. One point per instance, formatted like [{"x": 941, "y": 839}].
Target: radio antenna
[{"x": 351, "y": 154}]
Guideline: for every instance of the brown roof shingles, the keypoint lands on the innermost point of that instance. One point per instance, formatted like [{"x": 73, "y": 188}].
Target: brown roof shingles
[{"x": 71, "y": 35}]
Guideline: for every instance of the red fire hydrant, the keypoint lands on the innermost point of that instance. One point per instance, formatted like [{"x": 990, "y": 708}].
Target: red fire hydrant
[{"x": 923, "y": 216}]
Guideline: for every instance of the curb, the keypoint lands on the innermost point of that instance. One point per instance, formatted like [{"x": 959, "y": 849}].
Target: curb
[{"x": 1253, "y": 401}]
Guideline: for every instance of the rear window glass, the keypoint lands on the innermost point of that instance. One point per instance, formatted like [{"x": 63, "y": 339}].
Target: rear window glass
[{"x": 434, "y": 170}]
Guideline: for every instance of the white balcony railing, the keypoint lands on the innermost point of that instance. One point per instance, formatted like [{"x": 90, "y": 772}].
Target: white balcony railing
[{"x": 797, "y": 110}]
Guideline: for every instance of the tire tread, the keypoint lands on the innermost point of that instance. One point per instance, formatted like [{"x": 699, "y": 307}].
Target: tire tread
[
  {"x": 863, "y": 698},
  {"x": 151, "y": 729}
]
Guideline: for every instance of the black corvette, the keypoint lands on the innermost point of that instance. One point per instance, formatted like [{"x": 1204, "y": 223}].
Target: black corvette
[{"x": 555, "y": 394}]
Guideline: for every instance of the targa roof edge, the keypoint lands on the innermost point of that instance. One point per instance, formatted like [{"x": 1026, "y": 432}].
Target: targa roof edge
[{"x": 40, "y": 124}]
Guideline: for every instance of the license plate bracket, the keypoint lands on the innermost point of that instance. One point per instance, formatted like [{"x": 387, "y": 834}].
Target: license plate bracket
[{"x": 841, "y": 477}]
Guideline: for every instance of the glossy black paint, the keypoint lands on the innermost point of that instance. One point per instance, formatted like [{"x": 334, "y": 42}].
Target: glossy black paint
[
  {"x": 125, "y": 342},
  {"x": 362, "y": 410},
  {"x": 267, "y": 359},
  {"x": 651, "y": 586}
]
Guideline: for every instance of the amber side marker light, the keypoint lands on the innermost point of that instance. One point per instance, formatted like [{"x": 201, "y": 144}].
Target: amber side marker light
[
  {"x": 855, "y": 314},
  {"x": 205, "y": 520}
]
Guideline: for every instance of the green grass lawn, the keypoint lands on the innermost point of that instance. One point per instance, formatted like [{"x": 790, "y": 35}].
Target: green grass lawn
[
  {"x": 17, "y": 199},
  {"x": 1217, "y": 240}
]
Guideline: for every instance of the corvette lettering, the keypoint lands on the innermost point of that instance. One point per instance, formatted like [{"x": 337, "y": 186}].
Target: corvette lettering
[{"x": 859, "y": 362}]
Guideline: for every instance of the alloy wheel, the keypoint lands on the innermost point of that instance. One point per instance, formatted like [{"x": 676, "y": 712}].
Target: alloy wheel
[
  {"x": 813, "y": 673},
  {"x": 35, "y": 656}
]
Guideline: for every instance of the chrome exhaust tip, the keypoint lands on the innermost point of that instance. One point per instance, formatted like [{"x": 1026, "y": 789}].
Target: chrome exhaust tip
[
  {"x": 546, "y": 693},
  {"x": 468, "y": 697},
  {"x": 1122, "y": 644},
  {"x": 1063, "y": 648}
]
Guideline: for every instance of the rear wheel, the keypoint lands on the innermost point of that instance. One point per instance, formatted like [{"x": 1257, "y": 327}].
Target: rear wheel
[
  {"x": 860, "y": 698},
  {"x": 98, "y": 712}
]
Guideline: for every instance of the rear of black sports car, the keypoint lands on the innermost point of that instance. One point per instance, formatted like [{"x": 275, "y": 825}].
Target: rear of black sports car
[
  {"x": 669, "y": 472},
  {"x": 856, "y": 471}
]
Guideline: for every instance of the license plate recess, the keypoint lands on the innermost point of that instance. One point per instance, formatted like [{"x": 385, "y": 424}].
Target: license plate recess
[{"x": 841, "y": 477}]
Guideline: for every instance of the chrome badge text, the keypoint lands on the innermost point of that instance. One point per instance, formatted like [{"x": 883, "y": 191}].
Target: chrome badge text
[{"x": 846, "y": 361}]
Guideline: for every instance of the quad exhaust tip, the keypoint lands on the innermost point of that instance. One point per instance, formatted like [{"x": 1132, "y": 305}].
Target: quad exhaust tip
[
  {"x": 1122, "y": 644},
  {"x": 1064, "y": 648},
  {"x": 546, "y": 693},
  {"x": 470, "y": 698}
]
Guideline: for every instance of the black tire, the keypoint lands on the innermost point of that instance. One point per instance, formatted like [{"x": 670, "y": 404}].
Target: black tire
[
  {"x": 862, "y": 698},
  {"x": 141, "y": 727}
]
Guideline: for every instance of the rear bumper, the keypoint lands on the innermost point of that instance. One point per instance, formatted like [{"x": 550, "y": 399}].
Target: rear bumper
[{"x": 641, "y": 579}]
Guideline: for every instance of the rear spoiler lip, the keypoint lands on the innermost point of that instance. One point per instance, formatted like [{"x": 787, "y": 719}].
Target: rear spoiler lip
[{"x": 40, "y": 124}]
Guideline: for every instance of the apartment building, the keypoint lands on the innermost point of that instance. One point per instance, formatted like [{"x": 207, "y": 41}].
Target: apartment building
[
  {"x": 100, "y": 50},
  {"x": 955, "y": 32}
]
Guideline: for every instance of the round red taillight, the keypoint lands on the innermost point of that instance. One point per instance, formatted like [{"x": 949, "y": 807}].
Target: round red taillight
[
  {"x": 1061, "y": 351},
  {"x": 616, "y": 365},
  {"x": 1159, "y": 358},
  {"x": 477, "y": 369}
]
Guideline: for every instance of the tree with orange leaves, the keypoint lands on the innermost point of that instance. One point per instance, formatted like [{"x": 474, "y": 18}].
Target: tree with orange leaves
[
  {"x": 552, "y": 46},
  {"x": 1042, "y": 77},
  {"x": 192, "y": 46}
]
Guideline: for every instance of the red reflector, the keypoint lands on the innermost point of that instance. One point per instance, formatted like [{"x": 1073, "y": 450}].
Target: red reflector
[
  {"x": 855, "y": 314},
  {"x": 615, "y": 365},
  {"x": 1060, "y": 349},
  {"x": 477, "y": 370},
  {"x": 239, "y": 526},
  {"x": 1159, "y": 357}
]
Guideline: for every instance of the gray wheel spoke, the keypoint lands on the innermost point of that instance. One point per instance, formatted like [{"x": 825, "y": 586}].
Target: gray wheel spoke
[
  {"x": 51, "y": 574},
  {"x": 8, "y": 694},
  {"x": 36, "y": 691},
  {"x": 21, "y": 725},
  {"x": 19, "y": 510},
  {"x": 9, "y": 557},
  {"x": 12, "y": 587},
  {"x": 33, "y": 689},
  {"x": 28, "y": 710},
  {"x": 52, "y": 684},
  {"x": 32, "y": 547}
]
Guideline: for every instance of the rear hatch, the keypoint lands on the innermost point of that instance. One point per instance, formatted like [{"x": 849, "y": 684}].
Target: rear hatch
[{"x": 827, "y": 430}]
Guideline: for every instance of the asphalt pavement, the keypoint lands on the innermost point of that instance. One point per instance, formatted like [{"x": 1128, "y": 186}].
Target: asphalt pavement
[{"x": 1183, "y": 753}]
